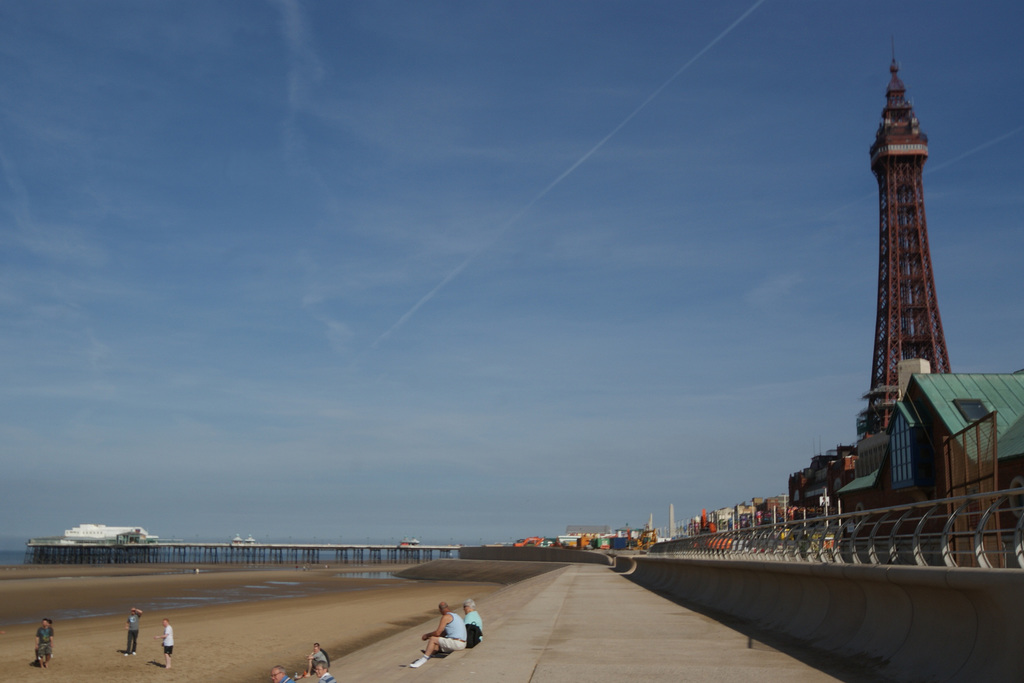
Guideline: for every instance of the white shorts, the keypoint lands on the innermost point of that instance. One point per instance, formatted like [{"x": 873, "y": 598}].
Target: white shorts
[{"x": 450, "y": 645}]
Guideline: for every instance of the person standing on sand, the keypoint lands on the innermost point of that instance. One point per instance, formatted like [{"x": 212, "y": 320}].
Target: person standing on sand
[
  {"x": 44, "y": 643},
  {"x": 132, "y": 625},
  {"x": 277, "y": 675},
  {"x": 168, "y": 638}
]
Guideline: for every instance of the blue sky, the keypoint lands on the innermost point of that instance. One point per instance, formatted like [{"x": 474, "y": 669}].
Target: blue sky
[{"x": 469, "y": 271}]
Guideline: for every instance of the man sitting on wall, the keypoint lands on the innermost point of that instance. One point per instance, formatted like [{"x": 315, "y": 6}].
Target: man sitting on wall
[
  {"x": 449, "y": 636},
  {"x": 318, "y": 655}
]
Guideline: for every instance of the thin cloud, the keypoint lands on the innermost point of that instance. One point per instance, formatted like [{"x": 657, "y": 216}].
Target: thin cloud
[
  {"x": 773, "y": 290},
  {"x": 565, "y": 174},
  {"x": 338, "y": 334},
  {"x": 304, "y": 70},
  {"x": 60, "y": 244},
  {"x": 13, "y": 180}
]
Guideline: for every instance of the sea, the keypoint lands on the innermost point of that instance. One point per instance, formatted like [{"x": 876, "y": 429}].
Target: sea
[{"x": 12, "y": 557}]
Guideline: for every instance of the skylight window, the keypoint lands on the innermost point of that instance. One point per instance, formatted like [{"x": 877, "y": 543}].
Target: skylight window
[{"x": 971, "y": 408}]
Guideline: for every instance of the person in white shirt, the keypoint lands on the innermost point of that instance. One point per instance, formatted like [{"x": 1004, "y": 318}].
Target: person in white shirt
[{"x": 168, "y": 638}]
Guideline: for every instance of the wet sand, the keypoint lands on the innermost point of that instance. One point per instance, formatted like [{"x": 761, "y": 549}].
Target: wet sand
[{"x": 235, "y": 642}]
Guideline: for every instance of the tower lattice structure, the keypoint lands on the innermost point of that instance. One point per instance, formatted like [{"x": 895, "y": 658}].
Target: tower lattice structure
[{"x": 908, "y": 323}]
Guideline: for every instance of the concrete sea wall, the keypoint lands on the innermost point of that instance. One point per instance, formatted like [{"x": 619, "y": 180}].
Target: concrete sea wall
[
  {"x": 920, "y": 623},
  {"x": 487, "y": 571},
  {"x": 533, "y": 554}
]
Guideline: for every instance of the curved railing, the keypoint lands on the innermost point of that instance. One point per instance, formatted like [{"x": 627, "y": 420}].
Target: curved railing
[{"x": 980, "y": 530}]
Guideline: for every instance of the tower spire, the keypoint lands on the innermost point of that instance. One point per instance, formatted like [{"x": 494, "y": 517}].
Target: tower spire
[{"x": 907, "y": 324}]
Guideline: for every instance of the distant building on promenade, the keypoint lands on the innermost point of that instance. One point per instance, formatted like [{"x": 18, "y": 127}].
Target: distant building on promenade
[
  {"x": 812, "y": 490},
  {"x": 596, "y": 529},
  {"x": 771, "y": 509},
  {"x": 724, "y": 519},
  {"x": 745, "y": 515},
  {"x": 754, "y": 512}
]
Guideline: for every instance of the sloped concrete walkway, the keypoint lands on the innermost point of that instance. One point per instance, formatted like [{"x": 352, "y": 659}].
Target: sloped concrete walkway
[{"x": 588, "y": 623}]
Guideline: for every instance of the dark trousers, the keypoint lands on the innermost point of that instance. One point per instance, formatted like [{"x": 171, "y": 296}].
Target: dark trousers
[{"x": 133, "y": 641}]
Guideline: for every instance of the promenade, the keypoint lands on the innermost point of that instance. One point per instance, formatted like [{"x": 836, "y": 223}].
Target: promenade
[{"x": 585, "y": 622}]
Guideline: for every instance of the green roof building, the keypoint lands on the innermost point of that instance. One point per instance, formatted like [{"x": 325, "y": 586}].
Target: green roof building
[{"x": 950, "y": 434}]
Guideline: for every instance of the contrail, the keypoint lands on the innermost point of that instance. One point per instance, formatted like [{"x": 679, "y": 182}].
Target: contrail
[
  {"x": 565, "y": 174},
  {"x": 977, "y": 149}
]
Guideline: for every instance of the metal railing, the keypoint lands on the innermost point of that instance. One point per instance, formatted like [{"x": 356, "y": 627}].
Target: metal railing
[{"x": 980, "y": 530}]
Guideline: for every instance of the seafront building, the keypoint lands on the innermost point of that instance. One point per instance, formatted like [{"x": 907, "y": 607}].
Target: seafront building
[
  {"x": 950, "y": 435},
  {"x": 926, "y": 433},
  {"x": 813, "y": 490}
]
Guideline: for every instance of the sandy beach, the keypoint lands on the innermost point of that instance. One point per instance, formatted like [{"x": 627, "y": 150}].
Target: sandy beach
[{"x": 238, "y": 641}]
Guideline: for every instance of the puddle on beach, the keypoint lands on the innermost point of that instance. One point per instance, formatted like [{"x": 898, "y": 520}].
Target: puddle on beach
[{"x": 366, "y": 575}]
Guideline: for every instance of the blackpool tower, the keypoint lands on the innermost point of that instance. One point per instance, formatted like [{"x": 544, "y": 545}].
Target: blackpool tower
[{"x": 908, "y": 325}]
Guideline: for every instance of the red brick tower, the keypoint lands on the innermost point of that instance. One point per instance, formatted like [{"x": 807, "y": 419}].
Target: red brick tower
[{"x": 908, "y": 323}]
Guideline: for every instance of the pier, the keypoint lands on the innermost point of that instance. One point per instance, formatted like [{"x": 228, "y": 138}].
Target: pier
[{"x": 56, "y": 551}]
